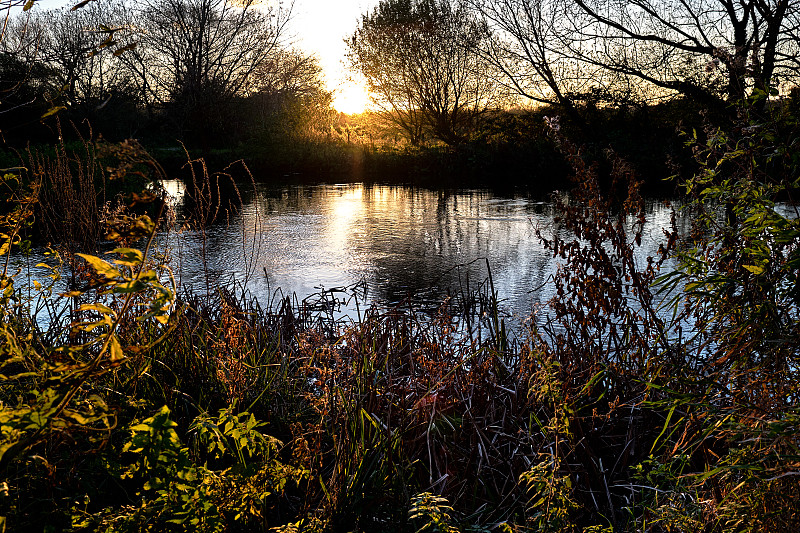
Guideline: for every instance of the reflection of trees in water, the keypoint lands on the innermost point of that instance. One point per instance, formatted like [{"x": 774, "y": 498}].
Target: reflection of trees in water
[
  {"x": 430, "y": 245},
  {"x": 406, "y": 243}
]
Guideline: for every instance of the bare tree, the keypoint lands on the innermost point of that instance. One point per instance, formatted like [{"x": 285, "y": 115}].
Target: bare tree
[
  {"x": 7, "y": 8},
  {"x": 195, "y": 56},
  {"x": 82, "y": 47},
  {"x": 679, "y": 46},
  {"x": 711, "y": 50},
  {"x": 525, "y": 42},
  {"x": 419, "y": 59},
  {"x": 19, "y": 52}
]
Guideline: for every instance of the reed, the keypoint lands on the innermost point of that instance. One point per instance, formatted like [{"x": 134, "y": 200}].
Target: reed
[{"x": 158, "y": 410}]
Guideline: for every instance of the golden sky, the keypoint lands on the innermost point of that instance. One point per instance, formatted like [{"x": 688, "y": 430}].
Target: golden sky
[{"x": 320, "y": 26}]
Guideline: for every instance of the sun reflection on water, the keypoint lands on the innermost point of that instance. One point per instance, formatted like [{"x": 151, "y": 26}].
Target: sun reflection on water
[{"x": 346, "y": 208}]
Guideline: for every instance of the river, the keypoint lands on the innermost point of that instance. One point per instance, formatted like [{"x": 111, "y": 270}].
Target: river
[{"x": 383, "y": 244}]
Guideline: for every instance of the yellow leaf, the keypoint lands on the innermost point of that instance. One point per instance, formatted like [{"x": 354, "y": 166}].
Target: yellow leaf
[
  {"x": 100, "y": 308},
  {"x": 115, "y": 349},
  {"x": 130, "y": 256},
  {"x": 101, "y": 267},
  {"x": 757, "y": 270},
  {"x": 122, "y": 50},
  {"x": 53, "y": 111}
]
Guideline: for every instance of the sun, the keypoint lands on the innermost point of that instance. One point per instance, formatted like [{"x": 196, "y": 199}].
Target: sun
[{"x": 351, "y": 98}]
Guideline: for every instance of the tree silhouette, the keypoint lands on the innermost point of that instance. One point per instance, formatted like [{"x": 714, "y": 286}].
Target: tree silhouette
[
  {"x": 194, "y": 57},
  {"x": 710, "y": 50},
  {"x": 419, "y": 59}
]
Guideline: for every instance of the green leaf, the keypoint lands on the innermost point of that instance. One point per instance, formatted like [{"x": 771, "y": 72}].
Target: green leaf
[{"x": 129, "y": 256}]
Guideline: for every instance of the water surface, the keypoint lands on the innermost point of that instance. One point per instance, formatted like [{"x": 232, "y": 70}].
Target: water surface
[{"x": 391, "y": 244}]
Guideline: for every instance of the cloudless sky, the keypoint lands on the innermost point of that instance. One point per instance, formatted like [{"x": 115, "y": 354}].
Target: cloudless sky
[{"x": 319, "y": 27}]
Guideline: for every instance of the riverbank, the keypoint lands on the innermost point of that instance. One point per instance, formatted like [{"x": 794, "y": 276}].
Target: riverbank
[{"x": 508, "y": 150}]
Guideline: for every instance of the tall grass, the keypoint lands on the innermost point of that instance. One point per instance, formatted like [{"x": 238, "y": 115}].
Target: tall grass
[{"x": 216, "y": 412}]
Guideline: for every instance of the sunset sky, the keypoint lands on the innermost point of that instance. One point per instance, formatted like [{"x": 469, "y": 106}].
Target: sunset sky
[{"x": 318, "y": 26}]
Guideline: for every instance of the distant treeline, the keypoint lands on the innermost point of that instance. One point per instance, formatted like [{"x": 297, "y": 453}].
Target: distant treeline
[
  {"x": 207, "y": 73},
  {"x": 216, "y": 79}
]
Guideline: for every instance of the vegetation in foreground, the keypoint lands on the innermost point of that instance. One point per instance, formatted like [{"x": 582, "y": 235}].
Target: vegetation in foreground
[{"x": 126, "y": 407}]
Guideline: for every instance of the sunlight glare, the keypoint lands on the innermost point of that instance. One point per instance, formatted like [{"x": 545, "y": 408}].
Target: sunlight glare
[
  {"x": 348, "y": 205},
  {"x": 351, "y": 98}
]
